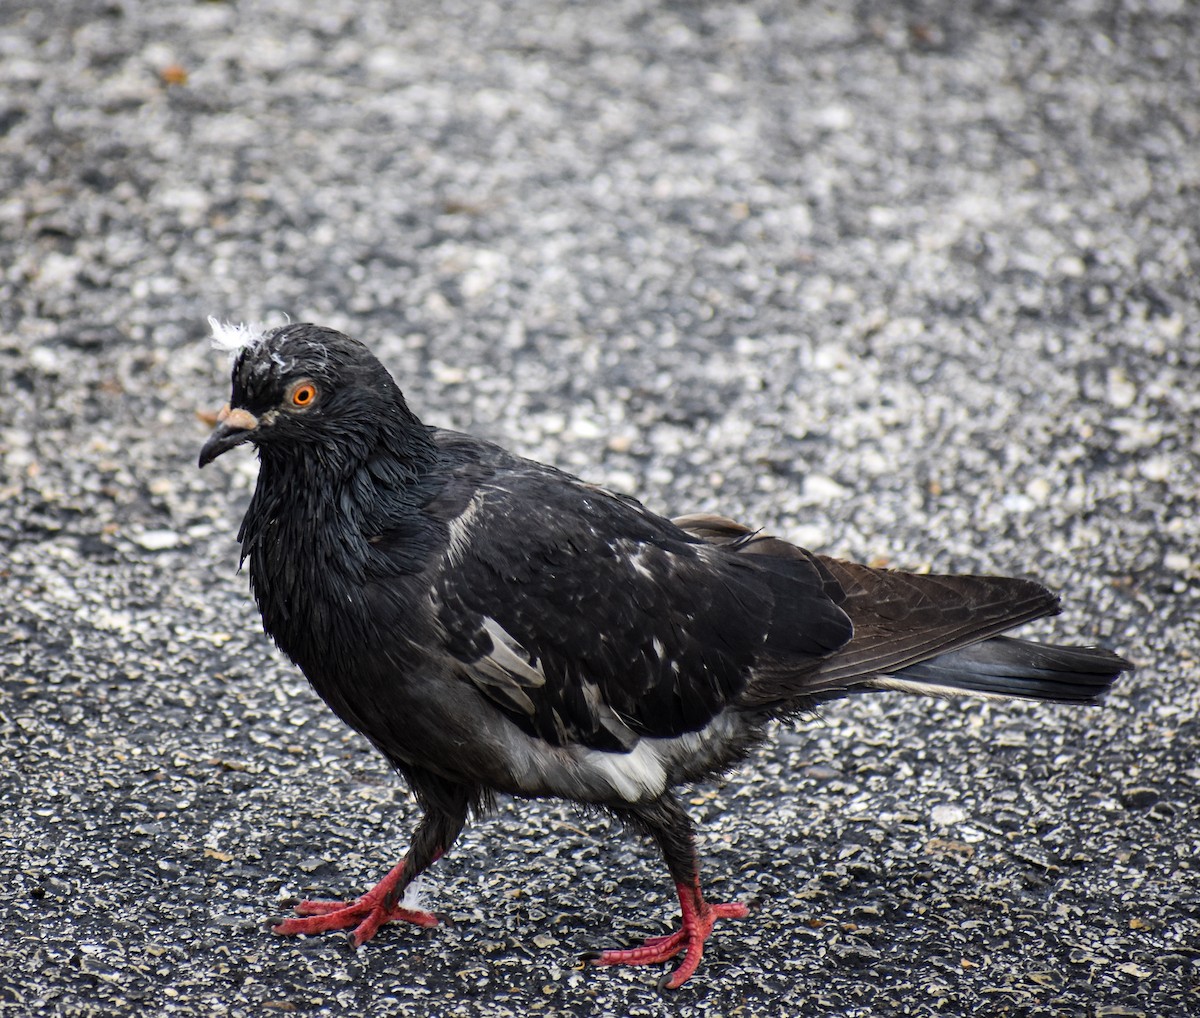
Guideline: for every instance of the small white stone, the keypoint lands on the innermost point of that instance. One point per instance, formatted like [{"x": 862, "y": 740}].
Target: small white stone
[
  {"x": 1157, "y": 468},
  {"x": 113, "y": 621},
  {"x": 553, "y": 423},
  {"x": 386, "y": 62},
  {"x": 444, "y": 374},
  {"x": 1039, "y": 489},
  {"x": 1177, "y": 562},
  {"x": 59, "y": 269},
  {"x": 1018, "y": 503},
  {"x": 620, "y": 480},
  {"x": 819, "y": 488},
  {"x": 157, "y": 540},
  {"x": 44, "y": 359},
  {"x": 1171, "y": 326},
  {"x": 1121, "y": 391},
  {"x": 835, "y": 118},
  {"x": 947, "y": 816},
  {"x": 830, "y": 357},
  {"x": 583, "y": 427}
]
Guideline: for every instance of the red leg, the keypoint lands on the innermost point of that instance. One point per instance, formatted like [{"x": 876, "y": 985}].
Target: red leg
[
  {"x": 378, "y": 906},
  {"x": 667, "y": 822},
  {"x": 445, "y": 812},
  {"x": 698, "y": 917}
]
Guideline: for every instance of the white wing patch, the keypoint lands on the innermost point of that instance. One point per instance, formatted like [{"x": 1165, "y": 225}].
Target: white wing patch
[
  {"x": 639, "y": 566},
  {"x": 646, "y": 770},
  {"x": 635, "y": 776},
  {"x": 507, "y": 656}
]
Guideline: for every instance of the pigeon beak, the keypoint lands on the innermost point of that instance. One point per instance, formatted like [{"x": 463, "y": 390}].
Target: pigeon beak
[{"x": 233, "y": 428}]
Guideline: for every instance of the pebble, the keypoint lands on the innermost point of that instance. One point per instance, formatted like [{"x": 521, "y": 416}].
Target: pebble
[
  {"x": 947, "y": 816},
  {"x": 1140, "y": 798},
  {"x": 157, "y": 540}
]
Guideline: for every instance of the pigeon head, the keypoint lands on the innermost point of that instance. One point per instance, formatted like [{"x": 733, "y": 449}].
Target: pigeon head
[{"x": 304, "y": 390}]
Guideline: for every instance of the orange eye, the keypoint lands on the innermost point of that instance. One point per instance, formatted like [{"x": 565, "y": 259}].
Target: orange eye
[{"x": 304, "y": 394}]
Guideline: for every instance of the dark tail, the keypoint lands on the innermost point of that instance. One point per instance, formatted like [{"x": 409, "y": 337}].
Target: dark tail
[{"x": 1005, "y": 667}]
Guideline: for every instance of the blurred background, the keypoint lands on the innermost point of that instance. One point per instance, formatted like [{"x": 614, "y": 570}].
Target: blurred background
[{"x": 912, "y": 283}]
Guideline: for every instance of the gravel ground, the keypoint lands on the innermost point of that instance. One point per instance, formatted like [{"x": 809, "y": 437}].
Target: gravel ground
[{"x": 912, "y": 283}]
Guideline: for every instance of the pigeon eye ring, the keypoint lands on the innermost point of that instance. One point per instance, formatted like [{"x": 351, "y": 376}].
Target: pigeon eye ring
[{"x": 303, "y": 394}]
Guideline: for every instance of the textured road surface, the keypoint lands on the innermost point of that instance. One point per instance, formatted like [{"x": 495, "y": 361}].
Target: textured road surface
[{"x": 911, "y": 283}]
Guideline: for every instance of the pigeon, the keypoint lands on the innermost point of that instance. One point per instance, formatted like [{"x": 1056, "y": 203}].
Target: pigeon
[{"x": 495, "y": 626}]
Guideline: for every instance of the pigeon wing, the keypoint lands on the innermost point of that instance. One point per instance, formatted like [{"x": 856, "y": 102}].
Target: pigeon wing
[{"x": 591, "y": 621}]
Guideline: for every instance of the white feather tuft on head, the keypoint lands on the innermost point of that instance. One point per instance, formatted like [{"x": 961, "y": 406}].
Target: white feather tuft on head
[{"x": 231, "y": 338}]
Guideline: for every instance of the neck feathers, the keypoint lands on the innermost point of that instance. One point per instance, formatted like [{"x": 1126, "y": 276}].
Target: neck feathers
[{"x": 307, "y": 532}]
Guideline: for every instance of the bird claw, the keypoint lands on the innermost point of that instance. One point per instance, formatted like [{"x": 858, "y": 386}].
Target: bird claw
[{"x": 362, "y": 918}]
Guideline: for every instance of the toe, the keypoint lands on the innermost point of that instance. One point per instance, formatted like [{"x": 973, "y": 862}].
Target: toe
[
  {"x": 319, "y": 907},
  {"x": 416, "y": 916}
]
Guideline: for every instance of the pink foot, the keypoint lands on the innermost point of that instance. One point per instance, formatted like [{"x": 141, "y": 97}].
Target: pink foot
[
  {"x": 364, "y": 916},
  {"x": 698, "y": 919}
]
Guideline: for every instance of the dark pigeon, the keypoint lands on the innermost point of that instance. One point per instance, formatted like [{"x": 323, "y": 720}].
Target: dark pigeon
[{"x": 495, "y": 626}]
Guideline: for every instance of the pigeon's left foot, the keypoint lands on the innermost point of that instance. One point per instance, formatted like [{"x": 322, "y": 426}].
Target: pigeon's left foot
[
  {"x": 364, "y": 916},
  {"x": 698, "y": 919}
]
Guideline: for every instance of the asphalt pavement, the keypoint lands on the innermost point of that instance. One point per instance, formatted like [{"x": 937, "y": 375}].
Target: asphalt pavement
[{"x": 910, "y": 283}]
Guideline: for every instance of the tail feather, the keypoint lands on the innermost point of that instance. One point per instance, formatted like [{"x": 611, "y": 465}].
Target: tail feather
[
  {"x": 929, "y": 634},
  {"x": 1013, "y": 669}
]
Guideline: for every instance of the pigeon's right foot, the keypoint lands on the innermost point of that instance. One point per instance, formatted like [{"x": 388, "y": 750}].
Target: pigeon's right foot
[{"x": 699, "y": 916}]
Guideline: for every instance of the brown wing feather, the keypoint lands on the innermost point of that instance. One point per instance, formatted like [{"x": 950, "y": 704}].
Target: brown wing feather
[{"x": 899, "y": 618}]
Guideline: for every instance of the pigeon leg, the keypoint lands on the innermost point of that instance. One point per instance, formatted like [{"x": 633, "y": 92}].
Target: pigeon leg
[
  {"x": 670, "y": 826},
  {"x": 434, "y": 835}
]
